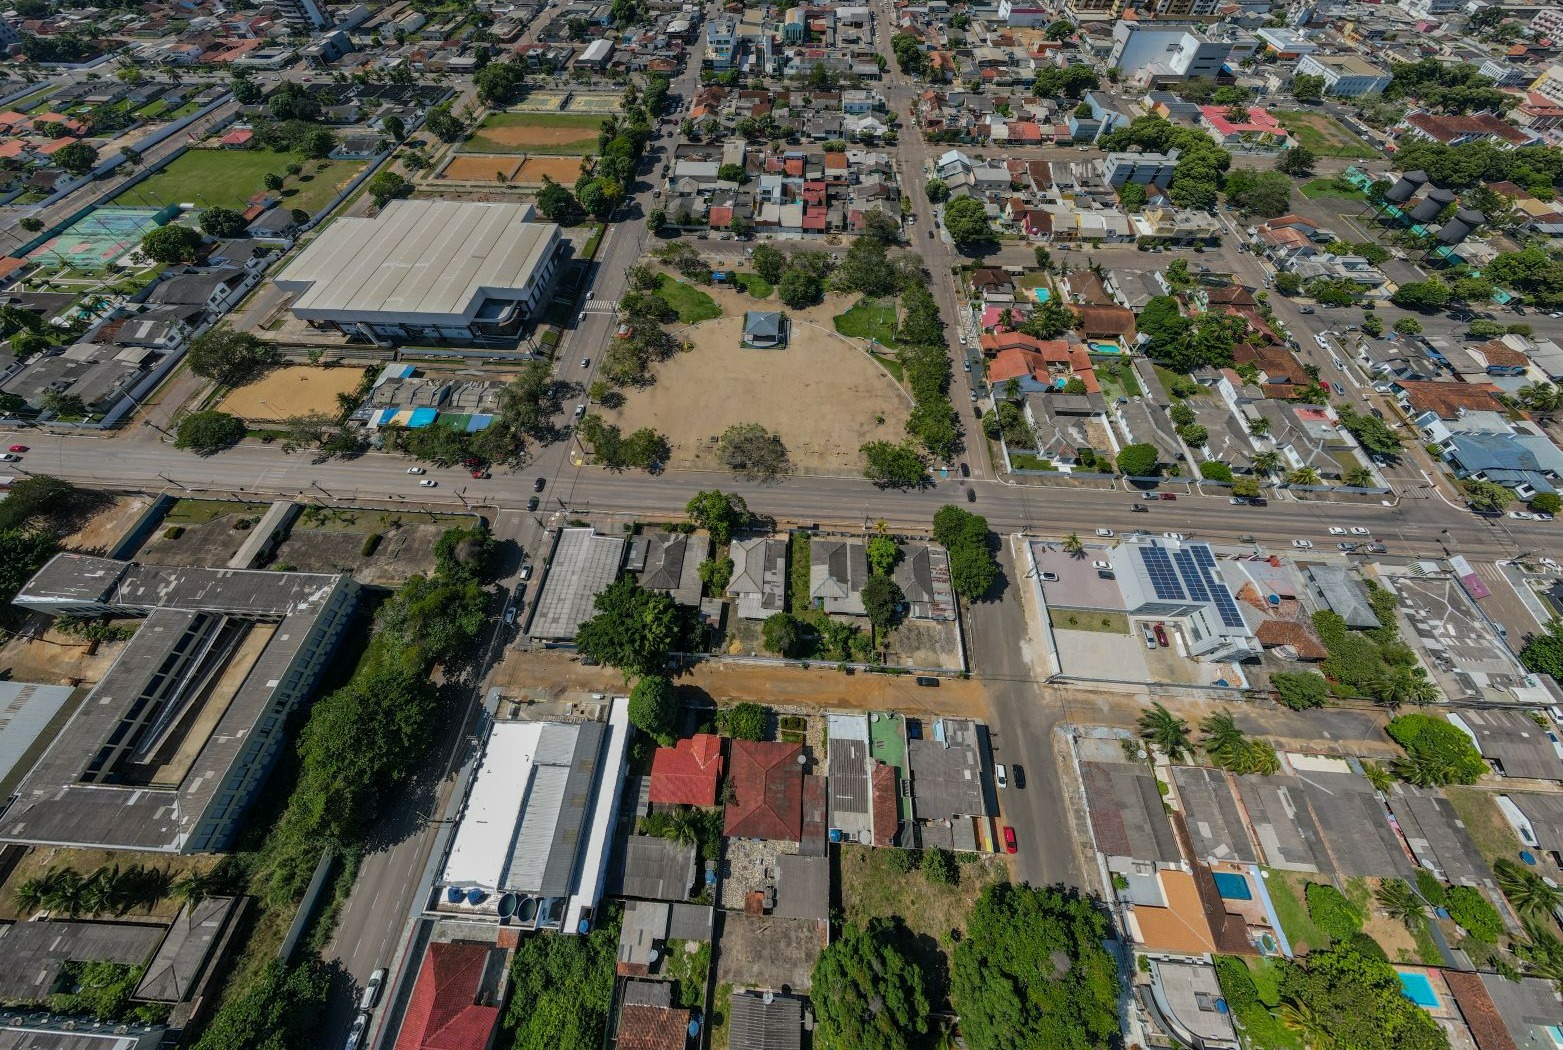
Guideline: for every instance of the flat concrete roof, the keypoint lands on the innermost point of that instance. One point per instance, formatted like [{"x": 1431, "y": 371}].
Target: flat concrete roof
[
  {"x": 1214, "y": 820},
  {"x": 1357, "y": 832},
  {"x": 1128, "y": 817},
  {"x": 1282, "y": 819},
  {"x": 1437, "y": 836},
  {"x": 27, "y": 710},
  {"x": 1513, "y": 741},
  {"x": 36, "y": 951},
  {"x": 419, "y": 262}
]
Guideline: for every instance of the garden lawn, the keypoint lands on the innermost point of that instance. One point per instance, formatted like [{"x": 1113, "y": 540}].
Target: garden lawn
[
  {"x": 1323, "y": 134},
  {"x": 1316, "y": 188},
  {"x": 1105, "y": 623},
  {"x": 1286, "y": 892},
  {"x": 1492, "y": 835},
  {"x": 869, "y": 319},
  {"x": 1029, "y": 461},
  {"x": 229, "y": 178},
  {"x": 753, "y": 284},
  {"x": 692, "y": 304}
]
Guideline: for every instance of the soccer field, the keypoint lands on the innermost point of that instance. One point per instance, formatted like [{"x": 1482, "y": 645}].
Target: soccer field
[{"x": 221, "y": 178}]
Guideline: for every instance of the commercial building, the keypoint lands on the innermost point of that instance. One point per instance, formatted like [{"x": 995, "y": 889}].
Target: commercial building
[
  {"x": 427, "y": 271},
  {"x": 1147, "y": 169},
  {"x": 532, "y": 840},
  {"x": 1345, "y": 75},
  {"x": 304, "y": 12},
  {"x": 168, "y": 751},
  {"x": 1178, "y": 579},
  {"x": 721, "y": 42},
  {"x": 1153, "y": 53},
  {"x": 583, "y": 565},
  {"x": 28, "y": 714}
]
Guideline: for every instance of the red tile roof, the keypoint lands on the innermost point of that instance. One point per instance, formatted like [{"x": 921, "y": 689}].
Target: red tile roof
[
  {"x": 687, "y": 774},
  {"x": 1447, "y": 398},
  {"x": 652, "y": 1028},
  {"x": 237, "y": 138},
  {"x": 883, "y": 795},
  {"x": 768, "y": 786},
  {"x": 1479, "y": 1011},
  {"x": 1297, "y": 635},
  {"x": 1448, "y": 128},
  {"x": 1106, "y": 320},
  {"x": 442, "y": 1014}
]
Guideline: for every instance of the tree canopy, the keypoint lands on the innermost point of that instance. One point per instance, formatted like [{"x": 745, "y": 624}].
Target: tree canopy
[
  {"x": 171, "y": 244},
  {"x": 654, "y": 708},
  {"x": 719, "y": 513},
  {"x": 230, "y": 357},
  {"x": 208, "y": 432},
  {"x": 1437, "y": 753},
  {"x": 965, "y": 535},
  {"x": 562, "y": 989},
  {"x": 1031, "y": 973},
  {"x": 868, "y": 991},
  {"x": 1348, "y": 999},
  {"x": 634, "y": 629},
  {"x": 967, "y": 220}
]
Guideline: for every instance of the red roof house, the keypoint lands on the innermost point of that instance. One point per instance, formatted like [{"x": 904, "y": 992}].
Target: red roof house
[
  {"x": 443, "y": 1013},
  {"x": 237, "y": 139},
  {"x": 652, "y": 1028},
  {"x": 687, "y": 774},
  {"x": 767, "y": 781}
]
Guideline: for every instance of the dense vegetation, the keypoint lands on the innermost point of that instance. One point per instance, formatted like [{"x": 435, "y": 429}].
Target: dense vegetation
[
  {"x": 869, "y": 991},
  {"x": 1031, "y": 973},
  {"x": 1201, "y": 163},
  {"x": 1437, "y": 753},
  {"x": 965, "y": 535},
  {"x": 562, "y": 988},
  {"x": 634, "y": 629}
]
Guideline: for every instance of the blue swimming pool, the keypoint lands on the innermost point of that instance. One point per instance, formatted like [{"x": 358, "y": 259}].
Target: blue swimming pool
[
  {"x": 1042, "y": 294},
  {"x": 1106, "y": 348},
  {"x": 1418, "y": 989},
  {"x": 1232, "y": 886}
]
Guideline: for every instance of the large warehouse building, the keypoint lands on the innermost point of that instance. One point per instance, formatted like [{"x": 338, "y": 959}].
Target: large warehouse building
[{"x": 427, "y": 271}]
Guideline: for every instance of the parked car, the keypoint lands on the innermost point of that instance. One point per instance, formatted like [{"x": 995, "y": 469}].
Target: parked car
[
  {"x": 1340, "y": 391},
  {"x": 1105, "y": 532},
  {"x": 1150, "y": 636},
  {"x": 1048, "y": 577},
  {"x": 371, "y": 994},
  {"x": 428, "y": 483},
  {"x": 1237, "y": 501},
  {"x": 1173, "y": 535},
  {"x": 580, "y": 410},
  {"x": 526, "y": 573},
  {"x": 1521, "y": 515},
  {"x": 928, "y": 681},
  {"x": 1001, "y": 775},
  {"x": 1161, "y": 634},
  {"x": 1303, "y": 545},
  {"x": 1018, "y": 776},
  {"x": 1305, "y": 309},
  {"x": 1106, "y": 574},
  {"x": 355, "y": 1035},
  {"x": 7, "y": 457},
  {"x": 18, "y": 448},
  {"x": 1009, "y": 840}
]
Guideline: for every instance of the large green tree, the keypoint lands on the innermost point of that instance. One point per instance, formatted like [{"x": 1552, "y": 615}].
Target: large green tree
[
  {"x": 208, "y": 432},
  {"x": 654, "y": 708},
  {"x": 562, "y": 989},
  {"x": 719, "y": 513},
  {"x": 869, "y": 992},
  {"x": 229, "y": 357},
  {"x": 634, "y": 629},
  {"x": 1031, "y": 972},
  {"x": 967, "y": 220},
  {"x": 1342, "y": 998},
  {"x": 171, "y": 244}
]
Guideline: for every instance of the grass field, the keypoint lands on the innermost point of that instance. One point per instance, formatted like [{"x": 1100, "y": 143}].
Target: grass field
[
  {"x": 692, "y": 304},
  {"x": 754, "y": 284},
  {"x": 1313, "y": 189},
  {"x": 565, "y": 134},
  {"x": 1286, "y": 892},
  {"x": 229, "y": 178},
  {"x": 1323, "y": 134},
  {"x": 1493, "y": 836},
  {"x": 870, "y": 319},
  {"x": 1104, "y": 623}
]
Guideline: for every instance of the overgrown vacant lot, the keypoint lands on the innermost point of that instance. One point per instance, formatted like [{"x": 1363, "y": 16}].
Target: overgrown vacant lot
[{"x": 822, "y": 395}]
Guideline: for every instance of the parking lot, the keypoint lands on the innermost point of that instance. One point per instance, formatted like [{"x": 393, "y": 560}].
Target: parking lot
[{"x": 1464, "y": 651}]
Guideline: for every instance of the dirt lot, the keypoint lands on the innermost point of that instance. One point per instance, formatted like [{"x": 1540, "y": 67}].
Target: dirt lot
[
  {"x": 481, "y": 167},
  {"x": 291, "y": 391},
  {"x": 103, "y": 529},
  {"x": 763, "y": 951},
  {"x": 537, "y": 133},
  {"x": 699, "y": 394},
  {"x": 39, "y": 654},
  {"x": 560, "y": 169},
  {"x": 403, "y": 551}
]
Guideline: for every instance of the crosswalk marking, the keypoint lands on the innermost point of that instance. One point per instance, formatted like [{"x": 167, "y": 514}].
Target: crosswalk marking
[{"x": 602, "y": 306}]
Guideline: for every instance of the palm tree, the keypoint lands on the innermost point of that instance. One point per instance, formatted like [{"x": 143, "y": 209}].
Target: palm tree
[
  {"x": 28, "y": 897},
  {"x": 1223, "y": 739},
  {"x": 1532, "y": 896},
  {"x": 1072, "y": 545},
  {"x": 1300, "y": 1016},
  {"x": 101, "y": 892},
  {"x": 1543, "y": 951},
  {"x": 1304, "y": 476},
  {"x": 1259, "y": 426},
  {"x": 1165, "y": 730},
  {"x": 1358, "y": 477},
  {"x": 67, "y": 892},
  {"x": 1267, "y": 462},
  {"x": 193, "y": 888},
  {"x": 1399, "y": 900},
  {"x": 1404, "y": 685}
]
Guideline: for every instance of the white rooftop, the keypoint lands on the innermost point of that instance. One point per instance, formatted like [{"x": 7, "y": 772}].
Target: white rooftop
[
  {"x": 420, "y": 262},
  {"x": 481, "y": 848}
]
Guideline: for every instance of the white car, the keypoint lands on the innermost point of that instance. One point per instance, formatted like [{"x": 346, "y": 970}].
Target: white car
[
  {"x": 1001, "y": 775},
  {"x": 1542, "y": 516},
  {"x": 1173, "y": 535},
  {"x": 1303, "y": 545},
  {"x": 372, "y": 990},
  {"x": 1358, "y": 530},
  {"x": 1550, "y": 563},
  {"x": 1101, "y": 565},
  {"x": 1521, "y": 515},
  {"x": 1336, "y": 530},
  {"x": 415, "y": 470},
  {"x": 428, "y": 483},
  {"x": 1105, "y": 532},
  {"x": 590, "y": 295}
]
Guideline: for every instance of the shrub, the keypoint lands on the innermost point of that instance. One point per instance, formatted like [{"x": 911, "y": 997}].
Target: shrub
[
  {"x": 745, "y": 721},
  {"x": 939, "y": 867},
  {"x": 371, "y": 542},
  {"x": 1299, "y": 690},
  {"x": 1237, "y": 984},
  {"x": 900, "y": 861},
  {"x": 1475, "y": 913},
  {"x": 1431, "y": 888},
  {"x": 1436, "y": 752},
  {"x": 173, "y": 532},
  {"x": 1332, "y": 912}
]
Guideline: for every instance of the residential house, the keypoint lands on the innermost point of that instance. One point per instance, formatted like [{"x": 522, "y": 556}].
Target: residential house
[
  {"x": 837, "y": 571},
  {"x": 759, "y": 580},
  {"x": 688, "y": 773},
  {"x": 1259, "y": 133}
]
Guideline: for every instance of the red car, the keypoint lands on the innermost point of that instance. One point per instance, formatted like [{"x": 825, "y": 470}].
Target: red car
[
  {"x": 1161, "y": 635},
  {"x": 480, "y": 474},
  {"x": 18, "y": 448},
  {"x": 1009, "y": 839}
]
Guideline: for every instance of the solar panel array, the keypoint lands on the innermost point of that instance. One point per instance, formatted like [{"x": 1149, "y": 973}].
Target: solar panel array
[
  {"x": 1190, "y": 574},
  {"x": 1230, "y": 616},
  {"x": 1164, "y": 579}
]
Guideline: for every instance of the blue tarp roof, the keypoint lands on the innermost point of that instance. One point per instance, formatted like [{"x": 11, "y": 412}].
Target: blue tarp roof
[{"x": 422, "y": 417}]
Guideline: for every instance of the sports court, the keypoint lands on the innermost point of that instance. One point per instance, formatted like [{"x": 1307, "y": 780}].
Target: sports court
[
  {"x": 101, "y": 236},
  {"x": 567, "y": 134}
]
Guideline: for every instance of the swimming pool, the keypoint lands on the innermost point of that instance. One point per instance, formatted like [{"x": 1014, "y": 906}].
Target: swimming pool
[
  {"x": 1042, "y": 294},
  {"x": 1106, "y": 348},
  {"x": 1418, "y": 989},
  {"x": 1232, "y": 886}
]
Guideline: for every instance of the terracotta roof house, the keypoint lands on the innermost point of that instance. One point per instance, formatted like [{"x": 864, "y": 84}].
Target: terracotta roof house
[
  {"x": 1458, "y": 130},
  {"x": 443, "y": 1013},
  {"x": 1106, "y": 321},
  {"x": 652, "y": 1028},
  {"x": 688, "y": 773},
  {"x": 767, "y": 781},
  {"x": 1447, "y": 399}
]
